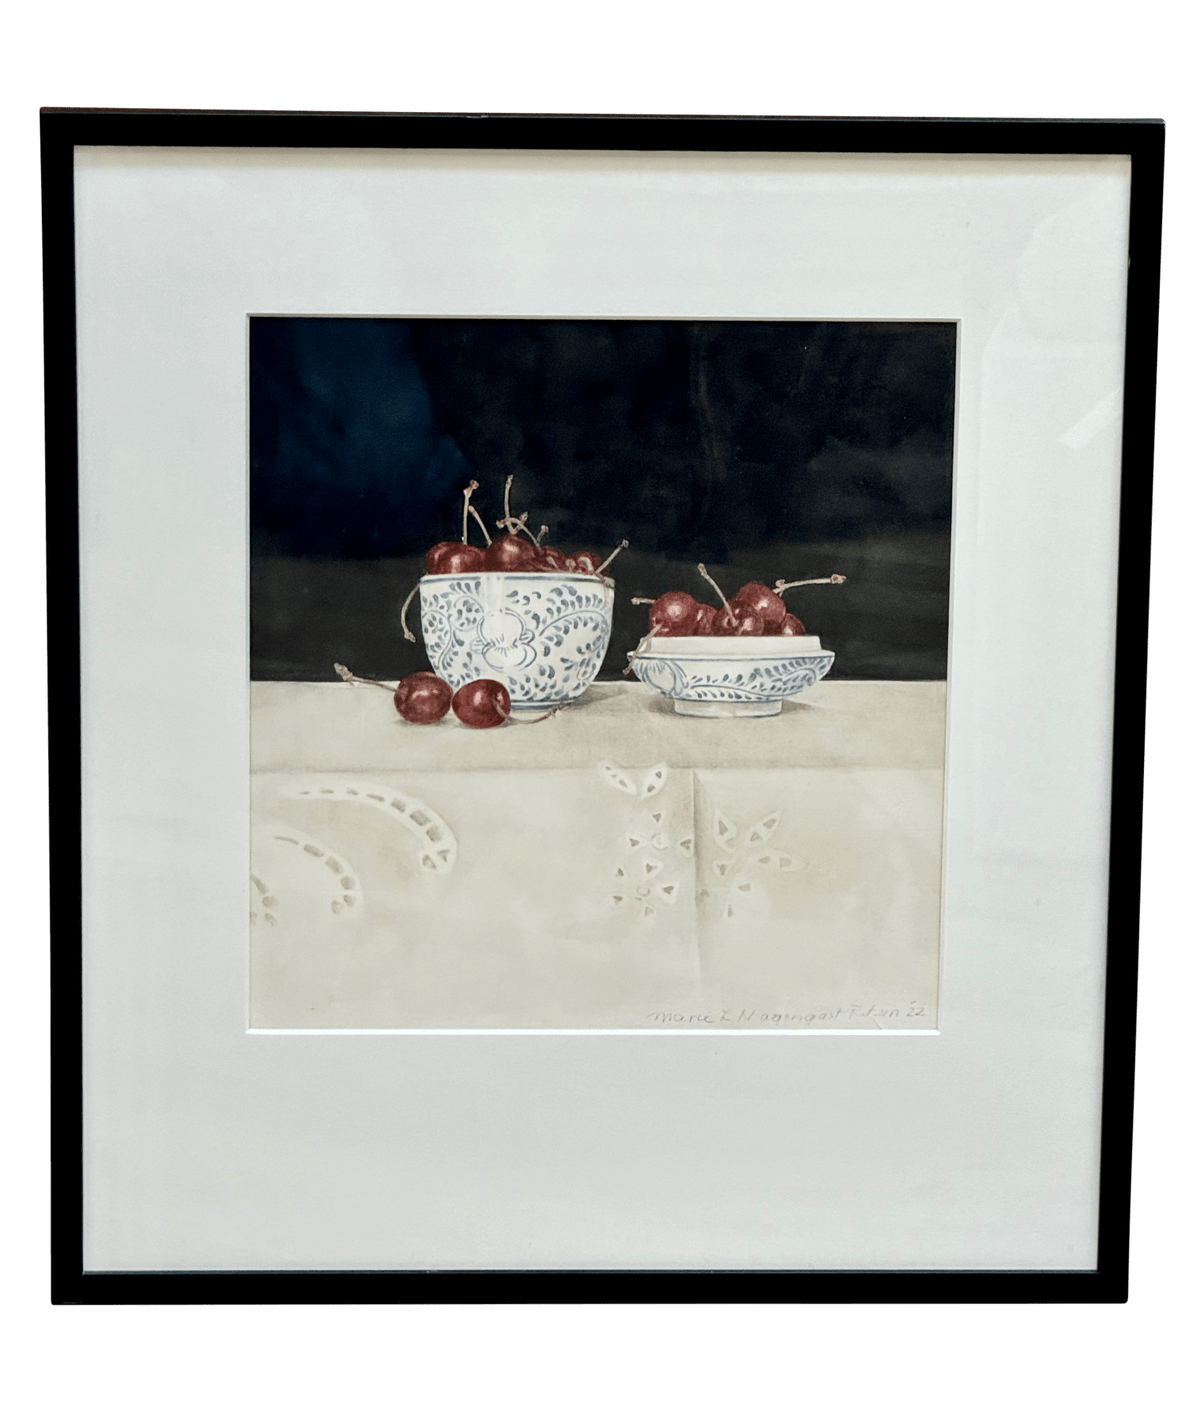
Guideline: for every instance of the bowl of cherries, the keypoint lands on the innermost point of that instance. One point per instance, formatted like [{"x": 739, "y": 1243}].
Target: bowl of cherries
[
  {"x": 743, "y": 658},
  {"x": 515, "y": 611}
]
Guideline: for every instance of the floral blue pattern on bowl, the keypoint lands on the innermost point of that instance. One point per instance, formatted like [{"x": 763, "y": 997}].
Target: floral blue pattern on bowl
[
  {"x": 541, "y": 635},
  {"x": 731, "y": 676}
]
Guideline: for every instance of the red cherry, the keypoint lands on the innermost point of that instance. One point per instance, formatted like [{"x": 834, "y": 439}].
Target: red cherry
[
  {"x": 737, "y": 620},
  {"x": 445, "y": 558},
  {"x": 792, "y": 627},
  {"x": 423, "y": 698},
  {"x": 705, "y": 612},
  {"x": 551, "y": 560},
  {"x": 769, "y": 605},
  {"x": 673, "y": 614},
  {"x": 511, "y": 554},
  {"x": 482, "y": 704},
  {"x": 592, "y": 565}
]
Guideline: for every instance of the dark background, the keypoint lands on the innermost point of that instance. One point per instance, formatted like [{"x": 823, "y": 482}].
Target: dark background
[{"x": 764, "y": 449}]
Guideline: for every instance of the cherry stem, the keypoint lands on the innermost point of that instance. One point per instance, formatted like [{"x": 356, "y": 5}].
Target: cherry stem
[
  {"x": 624, "y": 543},
  {"x": 641, "y": 646},
  {"x": 348, "y": 676},
  {"x": 480, "y": 522},
  {"x": 720, "y": 594},
  {"x": 649, "y": 601},
  {"x": 781, "y": 586},
  {"x": 542, "y": 532},
  {"x": 518, "y": 523},
  {"x": 554, "y": 710},
  {"x": 467, "y": 492},
  {"x": 507, "y": 520},
  {"x": 408, "y": 636},
  {"x": 513, "y": 523}
]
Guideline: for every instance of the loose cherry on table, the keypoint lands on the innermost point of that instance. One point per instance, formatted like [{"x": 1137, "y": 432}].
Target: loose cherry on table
[
  {"x": 482, "y": 704},
  {"x": 424, "y": 698}
]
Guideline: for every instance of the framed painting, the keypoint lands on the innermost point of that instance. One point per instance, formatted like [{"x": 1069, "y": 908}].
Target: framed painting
[
  {"x": 602, "y": 642},
  {"x": 658, "y": 861}
]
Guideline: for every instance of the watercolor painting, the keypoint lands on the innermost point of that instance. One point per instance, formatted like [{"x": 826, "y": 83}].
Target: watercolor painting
[{"x": 598, "y": 673}]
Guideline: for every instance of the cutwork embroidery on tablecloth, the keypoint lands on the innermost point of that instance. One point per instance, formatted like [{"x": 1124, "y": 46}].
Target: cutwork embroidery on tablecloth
[
  {"x": 647, "y": 876},
  {"x": 346, "y": 896},
  {"x": 748, "y": 859},
  {"x": 438, "y": 845}
]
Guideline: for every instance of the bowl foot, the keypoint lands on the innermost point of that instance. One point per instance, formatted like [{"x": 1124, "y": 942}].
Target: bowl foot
[{"x": 728, "y": 708}]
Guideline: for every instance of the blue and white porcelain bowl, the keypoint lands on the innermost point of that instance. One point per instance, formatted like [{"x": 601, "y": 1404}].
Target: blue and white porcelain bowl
[
  {"x": 731, "y": 676},
  {"x": 541, "y": 635}
]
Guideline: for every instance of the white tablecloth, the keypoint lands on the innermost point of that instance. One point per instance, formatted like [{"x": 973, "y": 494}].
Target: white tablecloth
[{"x": 617, "y": 866}]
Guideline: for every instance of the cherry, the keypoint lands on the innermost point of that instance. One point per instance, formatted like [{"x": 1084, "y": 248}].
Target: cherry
[
  {"x": 769, "y": 605},
  {"x": 792, "y": 626},
  {"x": 552, "y": 560},
  {"x": 458, "y": 557},
  {"x": 445, "y": 558},
  {"x": 705, "y": 614},
  {"x": 590, "y": 564},
  {"x": 482, "y": 704},
  {"x": 733, "y": 620},
  {"x": 423, "y": 698},
  {"x": 672, "y": 615},
  {"x": 737, "y": 620},
  {"x": 433, "y": 559},
  {"x": 511, "y": 554}
]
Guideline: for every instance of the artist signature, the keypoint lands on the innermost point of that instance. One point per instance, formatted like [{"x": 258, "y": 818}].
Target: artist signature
[{"x": 856, "y": 1014}]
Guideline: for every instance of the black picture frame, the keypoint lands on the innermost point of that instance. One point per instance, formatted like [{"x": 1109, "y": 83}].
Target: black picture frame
[{"x": 62, "y": 130}]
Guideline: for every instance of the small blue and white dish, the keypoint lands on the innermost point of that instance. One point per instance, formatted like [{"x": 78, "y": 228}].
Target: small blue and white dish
[{"x": 730, "y": 676}]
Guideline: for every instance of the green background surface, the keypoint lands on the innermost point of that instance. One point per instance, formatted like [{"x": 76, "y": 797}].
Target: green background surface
[{"x": 1025, "y": 57}]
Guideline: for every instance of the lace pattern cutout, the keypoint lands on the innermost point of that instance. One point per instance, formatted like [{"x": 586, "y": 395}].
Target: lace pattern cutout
[
  {"x": 438, "y": 847},
  {"x": 646, "y": 877},
  {"x": 344, "y": 887},
  {"x": 748, "y": 858}
]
